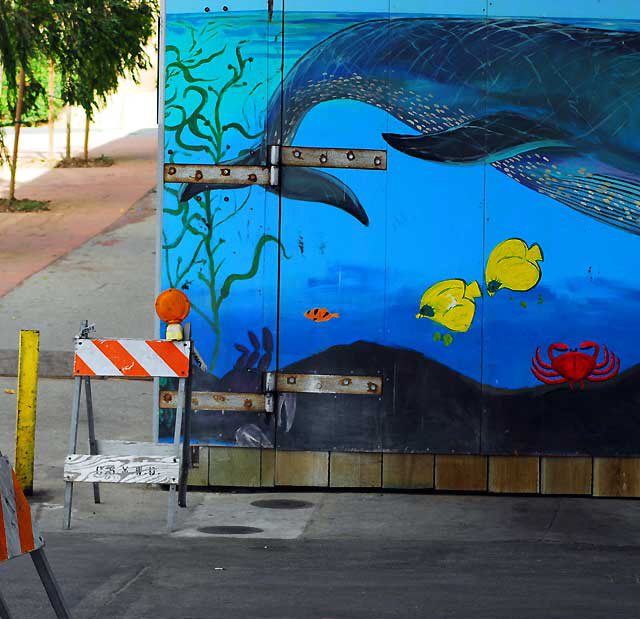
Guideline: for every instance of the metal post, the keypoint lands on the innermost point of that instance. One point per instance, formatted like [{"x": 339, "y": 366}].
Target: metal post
[
  {"x": 93, "y": 445},
  {"x": 73, "y": 441},
  {"x": 186, "y": 440},
  {"x": 50, "y": 584},
  {"x": 173, "y": 503},
  {"x": 26, "y": 408},
  {"x": 4, "y": 609}
]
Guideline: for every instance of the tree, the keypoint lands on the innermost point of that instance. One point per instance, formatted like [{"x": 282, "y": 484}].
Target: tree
[
  {"x": 118, "y": 31},
  {"x": 92, "y": 43}
]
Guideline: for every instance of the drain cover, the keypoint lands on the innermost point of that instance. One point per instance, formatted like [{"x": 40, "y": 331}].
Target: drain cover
[
  {"x": 282, "y": 504},
  {"x": 230, "y": 530}
]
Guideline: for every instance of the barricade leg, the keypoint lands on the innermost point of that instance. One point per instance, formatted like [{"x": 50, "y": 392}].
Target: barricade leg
[
  {"x": 73, "y": 441},
  {"x": 93, "y": 446},
  {"x": 50, "y": 584},
  {"x": 4, "y": 610},
  {"x": 173, "y": 499}
]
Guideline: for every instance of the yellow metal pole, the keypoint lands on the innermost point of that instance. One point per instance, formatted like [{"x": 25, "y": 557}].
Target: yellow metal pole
[{"x": 26, "y": 407}]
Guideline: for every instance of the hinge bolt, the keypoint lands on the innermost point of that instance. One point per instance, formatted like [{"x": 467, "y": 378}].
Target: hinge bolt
[
  {"x": 350, "y": 156},
  {"x": 253, "y": 178},
  {"x": 297, "y": 154},
  {"x": 198, "y": 175},
  {"x": 225, "y": 172},
  {"x": 323, "y": 158},
  {"x": 171, "y": 171},
  {"x": 377, "y": 161}
]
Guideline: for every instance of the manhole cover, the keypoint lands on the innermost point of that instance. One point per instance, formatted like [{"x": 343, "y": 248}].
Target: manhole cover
[
  {"x": 282, "y": 504},
  {"x": 230, "y": 530}
]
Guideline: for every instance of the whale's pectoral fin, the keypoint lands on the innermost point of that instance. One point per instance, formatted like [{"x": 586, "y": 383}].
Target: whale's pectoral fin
[
  {"x": 312, "y": 185},
  {"x": 582, "y": 182},
  {"x": 484, "y": 139}
]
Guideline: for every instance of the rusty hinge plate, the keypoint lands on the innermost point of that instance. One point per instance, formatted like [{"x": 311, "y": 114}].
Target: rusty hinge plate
[
  {"x": 217, "y": 401},
  {"x": 357, "y": 158},
  {"x": 328, "y": 383},
  {"x": 231, "y": 175}
]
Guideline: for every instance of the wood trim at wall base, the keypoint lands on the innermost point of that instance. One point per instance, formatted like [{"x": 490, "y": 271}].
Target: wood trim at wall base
[
  {"x": 407, "y": 471},
  {"x": 517, "y": 474},
  {"x": 461, "y": 473},
  {"x": 355, "y": 470},
  {"x": 616, "y": 477},
  {"x": 234, "y": 466},
  {"x": 570, "y": 475},
  {"x": 566, "y": 475},
  {"x": 302, "y": 468}
]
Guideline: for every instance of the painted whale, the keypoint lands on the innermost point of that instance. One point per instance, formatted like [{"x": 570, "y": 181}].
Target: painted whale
[{"x": 554, "y": 106}]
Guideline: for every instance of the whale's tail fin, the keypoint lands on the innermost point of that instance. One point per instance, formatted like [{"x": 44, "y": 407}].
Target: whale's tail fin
[{"x": 296, "y": 183}]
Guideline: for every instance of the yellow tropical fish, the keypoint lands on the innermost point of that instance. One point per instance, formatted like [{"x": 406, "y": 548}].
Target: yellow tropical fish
[
  {"x": 513, "y": 265},
  {"x": 450, "y": 303}
]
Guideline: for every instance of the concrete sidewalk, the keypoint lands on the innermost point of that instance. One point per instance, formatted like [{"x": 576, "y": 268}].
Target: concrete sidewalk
[{"x": 84, "y": 202}]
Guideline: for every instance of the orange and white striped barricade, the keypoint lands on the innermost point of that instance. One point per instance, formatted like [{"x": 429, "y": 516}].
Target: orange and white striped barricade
[
  {"x": 118, "y": 461},
  {"x": 19, "y": 536}
]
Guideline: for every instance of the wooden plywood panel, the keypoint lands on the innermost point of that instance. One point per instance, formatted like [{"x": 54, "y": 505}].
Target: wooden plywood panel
[
  {"x": 199, "y": 471},
  {"x": 566, "y": 475},
  {"x": 461, "y": 473},
  {"x": 355, "y": 470},
  {"x": 268, "y": 468},
  {"x": 234, "y": 466},
  {"x": 514, "y": 474},
  {"x": 302, "y": 468},
  {"x": 407, "y": 470},
  {"x": 616, "y": 477}
]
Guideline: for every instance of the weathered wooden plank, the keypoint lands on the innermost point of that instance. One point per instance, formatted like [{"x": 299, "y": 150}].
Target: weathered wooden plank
[
  {"x": 268, "y": 468},
  {"x": 518, "y": 474},
  {"x": 302, "y": 468},
  {"x": 234, "y": 466},
  {"x": 329, "y": 383},
  {"x": 133, "y": 448},
  {"x": 461, "y": 473},
  {"x": 566, "y": 475},
  {"x": 122, "y": 469},
  {"x": 199, "y": 470},
  {"x": 407, "y": 470},
  {"x": 355, "y": 470},
  {"x": 616, "y": 477},
  {"x": 217, "y": 401}
]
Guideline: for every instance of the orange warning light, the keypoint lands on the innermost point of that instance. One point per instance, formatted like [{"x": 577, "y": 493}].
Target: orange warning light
[{"x": 172, "y": 306}]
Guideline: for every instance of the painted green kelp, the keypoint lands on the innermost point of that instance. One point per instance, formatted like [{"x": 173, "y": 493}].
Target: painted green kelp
[{"x": 210, "y": 103}]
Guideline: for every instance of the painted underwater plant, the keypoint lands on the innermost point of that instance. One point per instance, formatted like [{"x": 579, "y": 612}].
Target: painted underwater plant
[
  {"x": 574, "y": 366},
  {"x": 200, "y": 120},
  {"x": 575, "y": 143},
  {"x": 514, "y": 266}
]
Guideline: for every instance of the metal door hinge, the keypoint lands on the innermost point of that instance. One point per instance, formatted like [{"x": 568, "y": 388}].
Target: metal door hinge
[{"x": 296, "y": 156}]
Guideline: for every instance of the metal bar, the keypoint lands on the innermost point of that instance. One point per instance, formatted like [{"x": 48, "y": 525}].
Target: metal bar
[
  {"x": 50, "y": 584},
  {"x": 218, "y": 174},
  {"x": 186, "y": 440},
  {"x": 4, "y": 609},
  {"x": 354, "y": 158},
  {"x": 73, "y": 441},
  {"x": 326, "y": 383},
  {"x": 173, "y": 499},
  {"x": 217, "y": 401},
  {"x": 93, "y": 445},
  {"x": 28, "y": 353}
]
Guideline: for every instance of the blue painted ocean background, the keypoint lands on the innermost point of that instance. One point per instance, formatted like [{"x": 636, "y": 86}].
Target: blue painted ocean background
[{"x": 429, "y": 222}]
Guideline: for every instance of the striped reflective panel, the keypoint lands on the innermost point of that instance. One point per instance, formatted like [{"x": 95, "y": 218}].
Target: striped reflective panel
[
  {"x": 133, "y": 358},
  {"x": 18, "y": 534}
]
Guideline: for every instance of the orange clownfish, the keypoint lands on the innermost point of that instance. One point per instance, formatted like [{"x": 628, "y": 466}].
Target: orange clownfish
[{"x": 320, "y": 314}]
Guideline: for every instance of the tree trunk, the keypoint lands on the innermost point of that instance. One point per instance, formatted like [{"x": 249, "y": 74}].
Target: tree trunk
[
  {"x": 52, "y": 88},
  {"x": 87, "y": 124},
  {"x": 16, "y": 138},
  {"x": 68, "y": 152}
]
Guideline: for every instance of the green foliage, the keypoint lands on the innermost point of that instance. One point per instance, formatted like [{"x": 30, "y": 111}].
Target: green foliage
[{"x": 191, "y": 75}]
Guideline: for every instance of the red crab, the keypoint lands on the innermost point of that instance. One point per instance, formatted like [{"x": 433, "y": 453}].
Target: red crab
[{"x": 574, "y": 366}]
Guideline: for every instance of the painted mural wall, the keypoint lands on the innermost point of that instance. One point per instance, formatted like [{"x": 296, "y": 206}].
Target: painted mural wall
[{"x": 490, "y": 275}]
